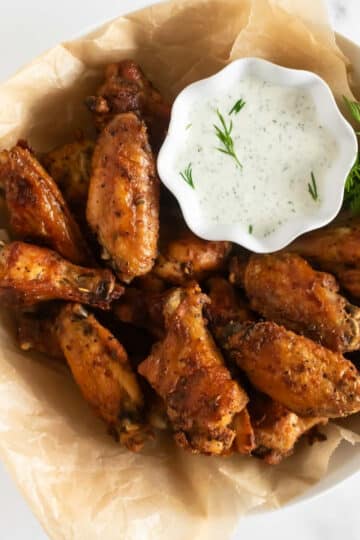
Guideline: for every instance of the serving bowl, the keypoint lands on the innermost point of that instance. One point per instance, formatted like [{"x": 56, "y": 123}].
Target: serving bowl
[{"x": 333, "y": 182}]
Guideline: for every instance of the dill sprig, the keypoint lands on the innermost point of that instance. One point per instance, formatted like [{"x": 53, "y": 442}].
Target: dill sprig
[
  {"x": 187, "y": 176},
  {"x": 354, "y": 110},
  {"x": 250, "y": 229},
  {"x": 238, "y": 106},
  {"x": 312, "y": 187},
  {"x": 352, "y": 186},
  {"x": 223, "y": 133}
]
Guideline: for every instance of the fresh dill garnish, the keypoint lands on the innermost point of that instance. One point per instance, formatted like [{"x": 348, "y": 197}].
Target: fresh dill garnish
[
  {"x": 312, "y": 187},
  {"x": 352, "y": 188},
  {"x": 251, "y": 228},
  {"x": 354, "y": 110},
  {"x": 187, "y": 176},
  {"x": 188, "y": 126},
  {"x": 223, "y": 133},
  {"x": 238, "y": 106}
]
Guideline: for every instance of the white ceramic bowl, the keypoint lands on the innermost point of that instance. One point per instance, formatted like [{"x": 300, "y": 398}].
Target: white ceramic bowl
[{"x": 329, "y": 116}]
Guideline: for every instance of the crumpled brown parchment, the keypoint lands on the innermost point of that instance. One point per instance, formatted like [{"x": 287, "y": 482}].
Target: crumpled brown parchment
[{"x": 79, "y": 483}]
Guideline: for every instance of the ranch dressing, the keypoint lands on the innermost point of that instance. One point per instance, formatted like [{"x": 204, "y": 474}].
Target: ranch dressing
[{"x": 283, "y": 149}]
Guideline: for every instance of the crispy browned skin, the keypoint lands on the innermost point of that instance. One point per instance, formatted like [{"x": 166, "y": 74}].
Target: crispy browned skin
[
  {"x": 302, "y": 375},
  {"x": 245, "y": 436},
  {"x": 36, "y": 331},
  {"x": 184, "y": 257},
  {"x": 284, "y": 288},
  {"x": 70, "y": 166},
  {"x": 38, "y": 211},
  {"x": 101, "y": 369},
  {"x": 123, "y": 204},
  {"x": 338, "y": 243},
  {"x": 226, "y": 305},
  {"x": 31, "y": 274},
  {"x": 188, "y": 372},
  {"x": 276, "y": 428},
  {"x": 126, "y": 89}
]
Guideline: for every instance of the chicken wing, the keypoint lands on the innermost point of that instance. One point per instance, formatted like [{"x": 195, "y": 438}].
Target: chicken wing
[
  {"x": 226, "y": 305},
  {"x": 70, "y": 166},
  {"x": 184, "y": 256},
  {"x": 123, "y": 204},
  {"x": 37, "y": 209},
  {"x": 276, "y": 428},
  {"x": 36, "y": 331},
  {"x": 101, "y": 369},
  {"x": 31, "y": 274},
  {"x": 126, "y": 89},
  {"x": 188, "y": 372},
  {"x": 338, "y": 243},
  {"x": 302, "y": 375},
  {"x": 285, "y": 289}
]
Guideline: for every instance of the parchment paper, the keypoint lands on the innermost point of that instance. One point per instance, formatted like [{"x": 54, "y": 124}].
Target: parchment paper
[{"x": 80, "y": 484}]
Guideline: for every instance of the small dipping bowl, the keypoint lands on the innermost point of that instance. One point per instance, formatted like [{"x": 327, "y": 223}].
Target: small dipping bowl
[{"x": 330, "y": 118}]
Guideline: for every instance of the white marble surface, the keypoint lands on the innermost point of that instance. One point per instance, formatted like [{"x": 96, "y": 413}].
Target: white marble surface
[{"x": 27, "y": 29}]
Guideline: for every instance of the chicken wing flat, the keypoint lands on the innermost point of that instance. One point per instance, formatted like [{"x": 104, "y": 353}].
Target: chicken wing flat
[
  {"x": 123, "y": 203},
  {"x": 276, "y": 428},
  {"x": 101, "y": 369},
  {"x": 185, "y": 257},
  {"x": 126, "y": 89},
  {"x": 302, "y": 375},
  {"x": 338, "y": 243},
  {"x": 36, "y": 331},
  {"x": 225, "y": 305},
  {"x": 31, "y": 274},
  {"x": 188, "y": 372},
  {"x": 285, "y": 289},
  {"x": 37, "y": 209},
  {"x": 70, "y": 167}
]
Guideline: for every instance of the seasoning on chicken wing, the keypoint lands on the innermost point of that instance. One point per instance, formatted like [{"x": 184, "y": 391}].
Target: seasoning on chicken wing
[
  {"x": 285, "y": 289},
  {"x": 126, "y": 89},
  {"x": 226, "y": 305},
  {"x": 37, "y": 208},
  {"x": 184, "y": 256},
  {"x": 101, "y": 369},
  {"x": 123, "y": 204},
  {"x": 276, "y": 428},
  {"x": 302, "y": 375},
  {"x": 31, "y": 274},
  {"x": 36, "y": 331},
  {"x": 338, "y": 243},
  {"x": 70, "y": 166},
  {"x": 188, "y": 372}
]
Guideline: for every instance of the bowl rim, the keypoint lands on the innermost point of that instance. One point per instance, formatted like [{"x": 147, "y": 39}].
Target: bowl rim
[{"x": 340, "y": 129}]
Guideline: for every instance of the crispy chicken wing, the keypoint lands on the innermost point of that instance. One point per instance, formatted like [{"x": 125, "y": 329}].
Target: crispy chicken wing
[
  {"x": 338, "y": 243},
  {"x": 36, "y": 331},
  {"x": 188, "y": 372},
  {"x": 123, "y": 204},
  {"x": 302, "y": 375},
  {"x": 184, "y": 256},
  {"x": 101, "y": 369},
  {"x": 126, "y": 89},
  {"x": 226, "y": 305},
  {"x": 31, "y": 274},
  {"x": 70, "y": 166},
  {"x": 284, "y": 288},
  {"x": 276, "y": 428},
  {"x": 37, "y": 208}
]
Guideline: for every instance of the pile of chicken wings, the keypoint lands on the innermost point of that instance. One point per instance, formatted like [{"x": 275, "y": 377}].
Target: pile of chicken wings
[{"x": 228, "y": 351}]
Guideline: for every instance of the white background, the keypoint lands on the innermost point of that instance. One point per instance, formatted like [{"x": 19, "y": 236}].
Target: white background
[{"x": 27, "y": 28}]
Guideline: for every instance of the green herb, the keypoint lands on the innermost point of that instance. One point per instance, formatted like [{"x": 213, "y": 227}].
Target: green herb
[
  {"x": 312, "y": 187},
  {"x": 187, "y": 176},
  {"x": 188, "y": 126},
  {"x": 251, "y": 229},
  {"x": 352, "y": 188},
  {"x": 354, "y": 110},
  {"x": 223, "y": 133},
  {"x": 238, "y": 106}
]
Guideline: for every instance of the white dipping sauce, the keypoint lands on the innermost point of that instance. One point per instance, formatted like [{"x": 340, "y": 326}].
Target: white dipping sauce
[{"x": 279, "y": 142}]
